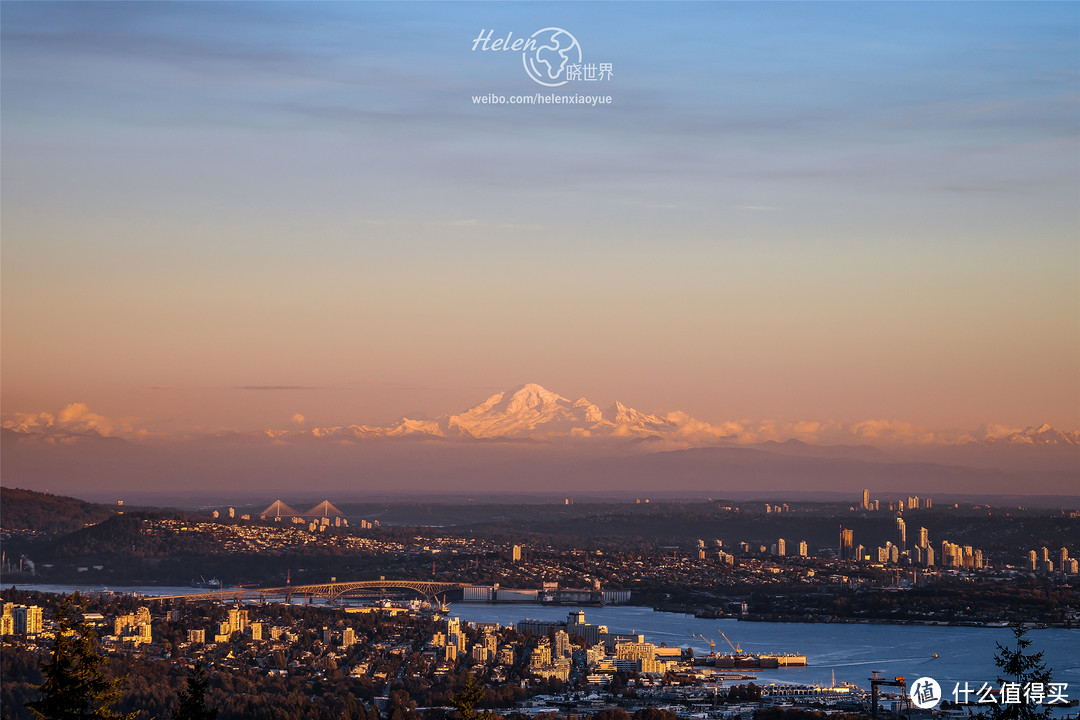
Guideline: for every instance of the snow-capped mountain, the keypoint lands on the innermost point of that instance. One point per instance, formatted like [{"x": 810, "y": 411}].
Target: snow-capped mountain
[
  {"x": 528, "y": 412},
  {"x": 1042, "y": 435},
  {"x": 533, "y": 411}
]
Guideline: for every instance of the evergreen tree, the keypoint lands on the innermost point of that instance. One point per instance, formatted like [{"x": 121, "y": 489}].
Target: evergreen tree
[
  {"x": 75, "y": 685},
  {"x": 465, "y": 699},
  {"x": 1022, "y": 668},
  {"x": 193, "y": 700}
]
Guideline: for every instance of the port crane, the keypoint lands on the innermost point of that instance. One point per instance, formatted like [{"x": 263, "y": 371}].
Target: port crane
[
  {"x": 875, "y": 682},
  {"x": 712, "y": 643},
  {"x": 736, "y": 648}
]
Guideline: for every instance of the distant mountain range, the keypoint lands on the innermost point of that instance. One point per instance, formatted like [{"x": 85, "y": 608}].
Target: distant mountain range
[
  {"x": 532, "y": 412},
  {"x": 534, "y": 439}
]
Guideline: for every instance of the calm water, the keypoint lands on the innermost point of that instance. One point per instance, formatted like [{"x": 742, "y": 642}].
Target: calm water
[{"x": 851, "y": 651}]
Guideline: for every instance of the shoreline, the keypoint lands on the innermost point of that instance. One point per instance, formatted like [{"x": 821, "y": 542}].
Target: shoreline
[{"x": 697, "y": 613}]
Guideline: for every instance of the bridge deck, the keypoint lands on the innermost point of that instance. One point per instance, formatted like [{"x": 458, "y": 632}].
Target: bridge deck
[{"x": 326, "y": 590}]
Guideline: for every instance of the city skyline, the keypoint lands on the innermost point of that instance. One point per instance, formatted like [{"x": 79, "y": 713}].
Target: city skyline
[{"x": 843, "y": 224}]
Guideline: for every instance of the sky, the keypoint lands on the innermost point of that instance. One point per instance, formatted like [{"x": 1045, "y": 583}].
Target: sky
[{"x": 227, "y": 216}]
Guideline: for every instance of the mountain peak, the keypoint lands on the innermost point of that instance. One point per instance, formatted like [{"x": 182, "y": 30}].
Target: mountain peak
[{"x": 532, "y": 395}]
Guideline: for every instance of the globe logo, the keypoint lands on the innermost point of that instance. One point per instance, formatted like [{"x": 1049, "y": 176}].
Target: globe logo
[{"x": 547, "y": 55}]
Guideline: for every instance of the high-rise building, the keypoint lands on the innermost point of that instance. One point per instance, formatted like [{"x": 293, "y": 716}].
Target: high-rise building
[
  {"x": 803, "y": 550},
  {"x": 562, "y": 644},
  {"x": 541, "y": 654},
  {"x": 26, "y": 620},
  {"x": 901, "y": 533},
  {"x": 781, "y": 547},
  {"x": 924, "y": 537},
  {"x": 196, "y": 636},
  {"x": 515, "y": 553},
  {"x": 866, "y": 499},
  {"x": 847, "y": 540},
  {"x": 238, "y": 619},
  {"x": 348, "y": 637},
  {"x": 1063, "y": 558},
  {"x": 1033, "y": 560},
  {"x": 145, "y": 634},
  {"x": 256, "y": 630}
]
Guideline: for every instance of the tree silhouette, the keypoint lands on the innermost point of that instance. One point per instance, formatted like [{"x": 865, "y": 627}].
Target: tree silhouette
[
  {"x": 75, "y": 685},
  {"x": 193, "y": 699},
  {"x": 1022, "y": 668},
  {"x": 466, "y": 698}
]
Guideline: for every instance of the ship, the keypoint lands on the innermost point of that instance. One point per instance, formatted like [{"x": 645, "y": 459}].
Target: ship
[
  {"x": 759, "y": 661},
  {"x": 211, "y": 584},
  {"x": 739, "y": 659}
]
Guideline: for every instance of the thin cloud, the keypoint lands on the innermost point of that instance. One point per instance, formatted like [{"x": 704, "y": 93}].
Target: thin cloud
[{"x": 278, "y": 387}]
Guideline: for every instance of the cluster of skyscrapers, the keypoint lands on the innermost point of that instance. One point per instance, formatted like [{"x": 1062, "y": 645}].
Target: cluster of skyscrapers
[
  {"x": 20, "y": 620},
  {"x": 1040, "y": 561},
  {"x": 912, "y": 502}
]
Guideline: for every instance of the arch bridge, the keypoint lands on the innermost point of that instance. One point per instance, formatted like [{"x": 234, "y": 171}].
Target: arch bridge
[{"x": 331, "y": 591}]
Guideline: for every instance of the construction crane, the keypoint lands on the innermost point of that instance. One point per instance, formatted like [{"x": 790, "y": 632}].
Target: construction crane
[
  {"x": 240, "y": 593},
  {"x": 712, "y": 644},
  {"x": 737, "y": 648}
]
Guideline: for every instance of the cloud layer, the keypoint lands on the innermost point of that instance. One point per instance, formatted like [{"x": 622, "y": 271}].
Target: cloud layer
[{"x": 533, "y": 413}]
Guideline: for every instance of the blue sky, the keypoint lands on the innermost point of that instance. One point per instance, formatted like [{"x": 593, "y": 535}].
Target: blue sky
[{"x": 802, "y": 210}]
